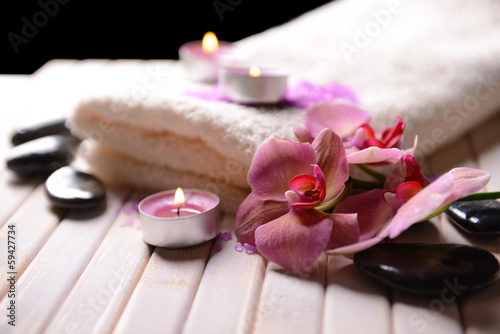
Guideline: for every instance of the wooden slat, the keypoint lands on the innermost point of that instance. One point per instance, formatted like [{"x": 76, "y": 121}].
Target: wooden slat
[
  {"x": 291, "y": 303},
  {"x": 163, "y": 296},
  {"x": 354, "y": 303},
  {"x": 98, "y": 298},
  {"x": 13, "y": 192},
  {"x": 33, "y": 223},
  {"x": 47, "y": 281},
  {"x": 229, "y": 290}
]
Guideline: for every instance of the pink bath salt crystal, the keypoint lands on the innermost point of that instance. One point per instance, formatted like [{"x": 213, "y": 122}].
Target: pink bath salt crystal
[
  {"x": 314, "y": 272},
  {"x": 217, "y": 248},
  {"x": 226, "y": 236},
  {"x": 250, "y": 249},
  {"x": 238, "y": 247},
  {"x": 130, "y": 222},
  {"x": 128, "y": 209},
  {"x": 123, "y": 224},
  {"x": 139, "y": 228}
]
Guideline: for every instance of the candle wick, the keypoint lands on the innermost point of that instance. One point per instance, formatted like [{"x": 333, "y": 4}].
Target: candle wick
[{"x": 178, "y": 209}]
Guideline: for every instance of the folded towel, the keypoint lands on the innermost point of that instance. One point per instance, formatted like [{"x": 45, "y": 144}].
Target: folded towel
[{"x": 435, "y": 63}]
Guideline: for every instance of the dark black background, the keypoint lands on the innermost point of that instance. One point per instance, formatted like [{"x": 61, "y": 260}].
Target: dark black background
[{"x": 138, "y": 30}]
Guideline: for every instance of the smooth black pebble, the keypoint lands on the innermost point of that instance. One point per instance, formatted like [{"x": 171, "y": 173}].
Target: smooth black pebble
[
  {"x": 41, "y": 156},
  {"x": 38, "y": 130},
  {"x": 476, "y": 217},
  {"x": 430, "y": 268},
  {"x": 73, "y": 189}
]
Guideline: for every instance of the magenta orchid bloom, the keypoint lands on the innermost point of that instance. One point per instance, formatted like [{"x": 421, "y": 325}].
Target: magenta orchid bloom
[
  {"x": 288, "y": 181},
  {"x": 407, "y": 198},
  {"x": 351, "y": 123}
]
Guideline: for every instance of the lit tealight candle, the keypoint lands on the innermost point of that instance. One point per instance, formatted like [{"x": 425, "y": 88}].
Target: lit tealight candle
[
  {"x": 253, "y": 85},
  {"x": 202, "y": 59},
  {"x": 179, "y": 219}
]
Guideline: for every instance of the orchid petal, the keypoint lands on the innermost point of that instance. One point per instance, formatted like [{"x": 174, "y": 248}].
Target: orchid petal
[
  {"x": 302, "y": 134},
  {"x": 374, "y": 154},
  {"x": 356, "y": 247},
  {"x": 420, "y": 206},
  {"x": 373, "y": 212},
  {"x": 275, "y": 163},
  {"x": 392, "y": 136},
  {"x": 295, "y": 240},
  {"x": 407, "y": 190},
  {"x": 254, "y": 212},
  {"x": 359, "y": 138},
  {"x": 302, "y": 182},
  {"x": 466, "y": 181},
  {"x": 331, "y": 158},
  {"x": 345, "y": 230},
  {"x": 341, "y": 116}
]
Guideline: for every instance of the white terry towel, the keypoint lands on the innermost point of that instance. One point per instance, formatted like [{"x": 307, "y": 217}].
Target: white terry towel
[{"x": 435, "y": 63}]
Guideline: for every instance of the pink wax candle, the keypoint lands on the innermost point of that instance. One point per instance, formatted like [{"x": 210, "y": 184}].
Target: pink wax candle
[
  {"x": 202, "y": 59},
  {"x": 179, "y": 218}
]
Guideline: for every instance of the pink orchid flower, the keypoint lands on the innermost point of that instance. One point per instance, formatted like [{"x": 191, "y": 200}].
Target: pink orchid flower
[
  {"x": 289, "y": 180},
  {"x": 363, "y": 144},
  {"x": 407, "y": 198}
]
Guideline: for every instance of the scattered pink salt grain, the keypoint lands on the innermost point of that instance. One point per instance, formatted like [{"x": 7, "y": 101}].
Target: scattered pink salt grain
[
  {"x": 314, "y": 272},
  {"x": 250, "y": 249},
  {"x": 226, "y": 236},
  {"x": 130, "y": 222},
  {"x": 139, "y": 228},
  {"x": 217, "y": 248},
  {"x": 128, "y": 209},
  {"x": 238, "y": 247},
  {"x": 123, "y": 224}
]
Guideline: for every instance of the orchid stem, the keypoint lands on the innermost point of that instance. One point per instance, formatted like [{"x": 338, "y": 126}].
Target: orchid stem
[
  {"x": 365, "y": 184},
  {"x": 473, "y": 197},
  {"x": 481, "y": 196},
  {"x": 379, "y": 176},
  {"x": 330, "y": 205}
]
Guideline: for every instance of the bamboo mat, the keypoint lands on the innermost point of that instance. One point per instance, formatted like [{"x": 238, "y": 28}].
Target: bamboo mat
[{"x": 92, "y": 273}]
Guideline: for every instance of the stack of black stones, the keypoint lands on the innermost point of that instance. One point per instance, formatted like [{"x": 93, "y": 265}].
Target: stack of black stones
[
  {"x": 47, "y": 149},
  {"x": 429, "y": 269}
]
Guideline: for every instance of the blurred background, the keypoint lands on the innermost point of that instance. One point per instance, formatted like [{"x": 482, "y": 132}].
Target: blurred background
[{"x": 36, "y": 31}]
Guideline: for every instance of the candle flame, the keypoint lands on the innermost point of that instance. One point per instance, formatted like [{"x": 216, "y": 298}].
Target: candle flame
[
  {"x": 254, "y": 71},
  {"x": 179, "y": 197},
  {"x": 210, "y": 44}
]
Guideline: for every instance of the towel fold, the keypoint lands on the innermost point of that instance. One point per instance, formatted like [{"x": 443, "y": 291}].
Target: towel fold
[{"x": 435, "y": 63}]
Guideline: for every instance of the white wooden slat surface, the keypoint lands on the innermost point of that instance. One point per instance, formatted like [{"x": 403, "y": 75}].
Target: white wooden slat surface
[
  {"x": 68, "y": 269},
  {"x": 165, "y": 292},
  {"x": 99, "y": 297},
  {"x": 49, "y": 278},
  {"x": 368, "y": 309},
  {"x": 34, "y": 222},
  {"x": 290, "y": 302},
  {"x": 229, "y": 291}
]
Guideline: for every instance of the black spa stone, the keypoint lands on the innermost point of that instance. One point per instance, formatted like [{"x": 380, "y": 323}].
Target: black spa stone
[
  {"x": 476, "y": 217},
  {"x": 430, "y": 269},
  {"x": 47, "y": 128},
  {"x": 41, "y": 156},
  {"x": 73, "y": 189}
]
